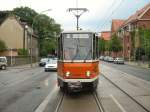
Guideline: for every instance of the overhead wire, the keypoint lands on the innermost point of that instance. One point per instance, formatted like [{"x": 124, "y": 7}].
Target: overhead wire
[
  {"x": 109, "y": 8},
  {"x": 105, "y": 22},
  {"x": 77, "y": 6}
]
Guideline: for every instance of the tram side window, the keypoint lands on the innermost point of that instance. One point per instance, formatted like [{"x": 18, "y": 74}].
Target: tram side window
[
  {"x": 95, "y": 47},
  {"x": 58, "y": 51},
  {"x": 60, "y": 48}
]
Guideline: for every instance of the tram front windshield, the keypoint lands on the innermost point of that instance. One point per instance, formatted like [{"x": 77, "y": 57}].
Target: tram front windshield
[{"x": 77, "y": 46}]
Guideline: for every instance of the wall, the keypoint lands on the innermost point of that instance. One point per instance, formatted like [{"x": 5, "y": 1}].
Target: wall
[
  {"x": 144, "y": 24},
  {"x": 146, "y": 15},
  {"x": 9, "y": 53},
  {"x": 11, "y": 32}
]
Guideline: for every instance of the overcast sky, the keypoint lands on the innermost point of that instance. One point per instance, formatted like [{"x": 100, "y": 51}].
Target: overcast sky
[{"x": 99, "y": 17}]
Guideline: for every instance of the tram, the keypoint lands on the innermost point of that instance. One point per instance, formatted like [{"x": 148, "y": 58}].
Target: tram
[{"x": 78, "y": 62}]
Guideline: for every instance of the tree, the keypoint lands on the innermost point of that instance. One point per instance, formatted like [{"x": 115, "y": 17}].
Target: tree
[
  {"x": 48, "y": 47},
  {"x": 115, "y": 44},
  {"x": 45, "y": 27},
  {"x": 2, "y": 45},
  {"x": 133, "y": 49},
  {"x": 25, "y": 13},
  {"x": 102, "y": 46},
  {"x": 47, "y": 30},
  {"x": 108, "y": 46},
  {"x": 139, "y": 52},
  {"x": 145, "y": 41},
  {"x": 23, "y": 52}
]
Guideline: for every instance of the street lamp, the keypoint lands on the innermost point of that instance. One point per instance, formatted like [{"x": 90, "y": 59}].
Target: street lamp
[{"x": 31, "y": 52}]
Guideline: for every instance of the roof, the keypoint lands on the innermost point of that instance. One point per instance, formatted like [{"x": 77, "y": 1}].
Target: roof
[
  {"x": 138, "y": 14},
  {"x": 6, "y": 14},
  {"x": 116, "y": 24},
  {"x": 3, "y": 15},
  {"x": 22, "y": 24},
  {"x": 106, "y": 35}
]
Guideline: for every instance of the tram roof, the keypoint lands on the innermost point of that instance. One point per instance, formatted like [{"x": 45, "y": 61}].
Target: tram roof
[{"x": 78, "y": 31}]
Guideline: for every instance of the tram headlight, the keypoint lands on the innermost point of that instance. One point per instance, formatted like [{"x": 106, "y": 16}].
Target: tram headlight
[
  {"x": 88, "y": 73},
  {"x": 67, "y": 74}
]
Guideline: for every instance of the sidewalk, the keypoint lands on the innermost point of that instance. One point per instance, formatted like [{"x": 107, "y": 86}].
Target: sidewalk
[
  {"x": 24, "y": 66},
  {"x": 137, "y": 88},
  {"x": 139, "y": 64}
]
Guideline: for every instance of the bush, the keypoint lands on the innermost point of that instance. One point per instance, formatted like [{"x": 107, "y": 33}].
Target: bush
[
  {"x": 139, "y": 53},
  {"x": 2, "y": 45},
  {"x": 23, "y": 52}
]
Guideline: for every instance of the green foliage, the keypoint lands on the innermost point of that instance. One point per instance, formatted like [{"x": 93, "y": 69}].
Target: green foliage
[
  {"x": 133, "y": 34},
  {"x": 108, "y": 45},
  {"x": 115, "y": 44},
  {"x": 145, "y": 41},
  {"x": 102, "y": 45},
  {"x": 23, "y": 52},
  {"x": 25, "y": 13},
  {"x": 139, "y": 53},
  {"x": 2, "y": 45},
  {"x": 48, "y": 31},
  {"x": 44, "y": 26},
  {"x": 48, "y": 47}
]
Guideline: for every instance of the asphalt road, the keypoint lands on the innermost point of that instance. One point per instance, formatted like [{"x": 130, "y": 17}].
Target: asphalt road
[
  {"x": 34, "y": 90},
  {"x": 142, "y": 73},
  {"x": 23, "y": 90}
]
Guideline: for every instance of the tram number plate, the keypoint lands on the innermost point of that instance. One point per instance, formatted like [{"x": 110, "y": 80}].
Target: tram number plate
[{"x": 75, "y": 84}]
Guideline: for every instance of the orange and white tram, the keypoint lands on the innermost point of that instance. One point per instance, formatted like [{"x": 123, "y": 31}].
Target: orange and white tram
[{"x": 78, "y": 63}]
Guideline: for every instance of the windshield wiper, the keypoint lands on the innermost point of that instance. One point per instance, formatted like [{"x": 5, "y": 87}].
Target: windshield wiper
[
  {"x": 77, "y": 50},
  {"x": 87, "y": 55}
]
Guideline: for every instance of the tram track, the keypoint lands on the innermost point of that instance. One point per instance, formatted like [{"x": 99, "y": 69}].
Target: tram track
[
  {"x": 59, "y": 102},
  {"x": 98, "y": 101},
  {"x": 133, "y": 99},
  {"x": 95, "y": 99}
]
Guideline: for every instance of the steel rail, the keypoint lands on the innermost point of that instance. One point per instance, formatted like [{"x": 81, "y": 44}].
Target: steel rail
[
  {"x": 59, "y": 102},
  {"x": 98, "y": 102},
  {"x": 126, "y": 93}
]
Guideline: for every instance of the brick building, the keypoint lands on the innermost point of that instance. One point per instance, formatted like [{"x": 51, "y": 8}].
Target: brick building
[
  {"x": 106, "y": 35},
  {"x": 116, "y": 24},
  {"x": 141, "y": 19}
]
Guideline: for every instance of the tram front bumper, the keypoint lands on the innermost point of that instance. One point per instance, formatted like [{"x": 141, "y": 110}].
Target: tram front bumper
[{"x": 75, "y": 86}]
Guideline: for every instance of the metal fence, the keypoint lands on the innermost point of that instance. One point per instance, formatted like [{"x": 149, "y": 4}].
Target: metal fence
[{"x": 19, "y": 60}]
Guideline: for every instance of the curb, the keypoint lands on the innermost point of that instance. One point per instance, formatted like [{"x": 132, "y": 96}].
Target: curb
[
  {"x": 137, "y": 65},
  {"x": 23, "y": 66}
]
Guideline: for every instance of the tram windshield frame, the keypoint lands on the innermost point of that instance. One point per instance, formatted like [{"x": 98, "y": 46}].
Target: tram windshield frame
[{"x": 77, "y": 46}]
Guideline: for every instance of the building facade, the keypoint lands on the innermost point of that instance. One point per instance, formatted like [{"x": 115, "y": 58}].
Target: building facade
[
  {"x": 17, "y": 35},
  {"x": 116, "y": 24},
  {"x": 141, "y": 19},
  {"x": 106, "y": 35}
]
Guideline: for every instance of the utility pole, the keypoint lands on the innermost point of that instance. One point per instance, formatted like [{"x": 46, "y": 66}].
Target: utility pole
[{"x": 77, "y": 13}]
